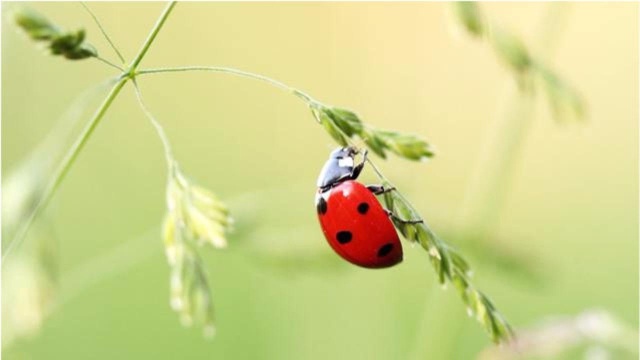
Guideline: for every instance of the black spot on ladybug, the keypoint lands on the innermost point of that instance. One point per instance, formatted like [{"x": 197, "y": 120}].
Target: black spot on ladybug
[
  {"x": 385, "y": 250},
  {"x": 363, "y": 207},
  {"x": 321, "y": 206},
  {"x": 344, "y": 237}
]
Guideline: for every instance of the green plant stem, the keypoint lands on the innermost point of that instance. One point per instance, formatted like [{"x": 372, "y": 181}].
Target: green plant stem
[
  {"x": 226, "y": 70},
  {"x": 104, "y": 32},
  {"x": 161, "y": 133},
  {"x": 65, "y": 165},
  {"x": 152, "y": 35},
  {"x": 108, "y": 63},
  {"x": 78, "y": 145}
]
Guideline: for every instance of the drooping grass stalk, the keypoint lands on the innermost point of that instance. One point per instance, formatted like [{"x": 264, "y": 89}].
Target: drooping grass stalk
[
  {"x": 449, "y": 265},
  {"x": 342, "y": 125},
  {"x": 227, "y": 70},
  {"x": 79, "y": 144},
  {"x": 156, "y": 125},
  {"x": 195, "y": 217}
]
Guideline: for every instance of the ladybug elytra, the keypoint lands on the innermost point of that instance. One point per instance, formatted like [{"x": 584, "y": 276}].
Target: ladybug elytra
[{"x": 353, "y": 221}]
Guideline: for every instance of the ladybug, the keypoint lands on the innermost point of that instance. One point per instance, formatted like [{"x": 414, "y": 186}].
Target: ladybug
[{"x": 354, "y": 223}]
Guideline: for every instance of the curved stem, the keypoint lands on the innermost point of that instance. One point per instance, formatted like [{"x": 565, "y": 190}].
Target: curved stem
[
  {"x": 102, "y": 30},
  {"x": 161, "y": 133},
  {"x": 226, "y": 70},
  {"x": 65, "y": 165}
]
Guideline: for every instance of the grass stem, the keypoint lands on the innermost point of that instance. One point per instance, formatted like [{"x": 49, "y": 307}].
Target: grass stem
[
  {"x": 152, "y": 35},
  {"x": 108, "y": 63},
  {"x": 75, "y": 149},
  {"x": 227, "y": 70},
  {"x": 104, "y": 32},
  {"x": 161, "y": 133}
]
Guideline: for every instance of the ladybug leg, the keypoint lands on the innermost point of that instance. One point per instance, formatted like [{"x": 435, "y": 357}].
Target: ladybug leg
[
  {"x": 358, "y": 168},
  {"x": 379, "y": 189},
  {"x": 396, "y": 218}
]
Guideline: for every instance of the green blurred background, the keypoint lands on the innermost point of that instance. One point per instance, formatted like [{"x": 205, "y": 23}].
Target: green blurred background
[{"x": 279, "y": 291}]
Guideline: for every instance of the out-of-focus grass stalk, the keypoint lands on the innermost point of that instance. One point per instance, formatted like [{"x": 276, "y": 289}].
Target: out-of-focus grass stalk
[
  {"x": 22, "y": 186},
  {"x": 63, "y": 169},
  {"x": 492, "y": 178},
  {"x": 491, "y": 181},
  {"x": 30, "y": 279}
]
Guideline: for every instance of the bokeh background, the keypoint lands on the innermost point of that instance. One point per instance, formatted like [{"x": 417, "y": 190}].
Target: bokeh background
[{"x": 569, "y": 223}]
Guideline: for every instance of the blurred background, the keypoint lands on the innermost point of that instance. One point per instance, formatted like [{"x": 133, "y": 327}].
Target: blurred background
[{"x": 561, "y": 257}]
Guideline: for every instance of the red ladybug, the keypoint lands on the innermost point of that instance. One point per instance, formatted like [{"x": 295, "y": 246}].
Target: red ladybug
[{"x": 356, "y": 226}]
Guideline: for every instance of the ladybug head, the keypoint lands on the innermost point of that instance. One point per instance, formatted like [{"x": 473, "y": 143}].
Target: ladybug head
[{"x": 338, "y": 168}]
